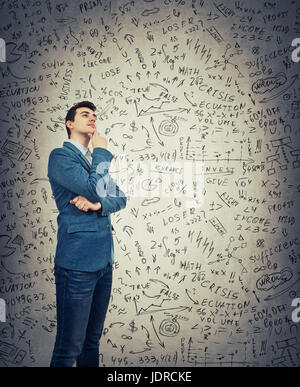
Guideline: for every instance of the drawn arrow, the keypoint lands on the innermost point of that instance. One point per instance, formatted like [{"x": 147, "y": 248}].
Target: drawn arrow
[
  {"x": 38, "y": 179},
  {"x": 159, "y": 140},
  {"x": 116, "y": 323},
  {"x": 135, "y": 304},
  {"x": 148, "y": 341},
  {"x": 156, "y": 296},
  {"x": 158, "y": 109},
  {"x": 156, "y": 334},
  {"x": 136, "y": 352},
  {"x": 113, "y": 345},
  {"x": 160, "y": 282},
  {"x": 140, "y": 150},
  {"x": 147, "y": 332},
  {"x": 178, "y": 309},
  {"x": 195, "y": 302},
  {"x": 186, "y": 97}
]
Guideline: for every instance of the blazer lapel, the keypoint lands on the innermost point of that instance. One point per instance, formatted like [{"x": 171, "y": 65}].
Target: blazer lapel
[{"x": 73, "y": 148}]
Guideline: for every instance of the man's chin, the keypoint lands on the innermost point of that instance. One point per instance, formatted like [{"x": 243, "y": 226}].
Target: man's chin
[{"x": 86, "y": 133}]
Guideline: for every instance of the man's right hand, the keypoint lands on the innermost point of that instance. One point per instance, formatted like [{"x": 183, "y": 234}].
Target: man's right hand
[
  {"x": 84, "y": 205},
  {"x": 97, "y": 141}
]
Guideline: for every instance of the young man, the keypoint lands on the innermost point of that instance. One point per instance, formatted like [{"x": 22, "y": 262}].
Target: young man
[{"x": 85, "y": 196}]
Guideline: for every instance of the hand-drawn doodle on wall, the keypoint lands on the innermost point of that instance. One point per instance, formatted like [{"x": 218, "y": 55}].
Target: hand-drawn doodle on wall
[{"x": 200, "y": 104}]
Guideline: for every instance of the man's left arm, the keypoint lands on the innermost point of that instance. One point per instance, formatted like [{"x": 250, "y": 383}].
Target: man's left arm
[
  {"x": 112, "y": 191},
  {"x": 113, "y": 196}
]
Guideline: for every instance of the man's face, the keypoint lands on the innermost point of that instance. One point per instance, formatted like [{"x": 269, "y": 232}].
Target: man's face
[{"x": 84, "y": 121}]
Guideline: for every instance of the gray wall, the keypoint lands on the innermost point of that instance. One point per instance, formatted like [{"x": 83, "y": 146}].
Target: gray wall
[{"x": 199, "y": 101}]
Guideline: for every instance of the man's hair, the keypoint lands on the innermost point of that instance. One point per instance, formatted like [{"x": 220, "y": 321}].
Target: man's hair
[{"x": 71, "y": 112}]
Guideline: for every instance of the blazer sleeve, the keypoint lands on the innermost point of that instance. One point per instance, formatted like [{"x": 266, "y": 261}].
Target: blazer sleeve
[
  {"x": 112, "y": 195},
  {"x": 65, "y": 170}
]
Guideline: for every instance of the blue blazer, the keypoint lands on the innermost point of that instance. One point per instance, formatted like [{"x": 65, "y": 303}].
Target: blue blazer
[{"x": 84, "y": 239}]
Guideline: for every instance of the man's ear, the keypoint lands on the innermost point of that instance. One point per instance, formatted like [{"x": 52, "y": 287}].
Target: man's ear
[{"x": 69, "y": 124}]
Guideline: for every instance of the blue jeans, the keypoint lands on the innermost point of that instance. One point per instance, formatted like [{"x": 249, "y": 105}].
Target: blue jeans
[{"x": 82, "y": 299}]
